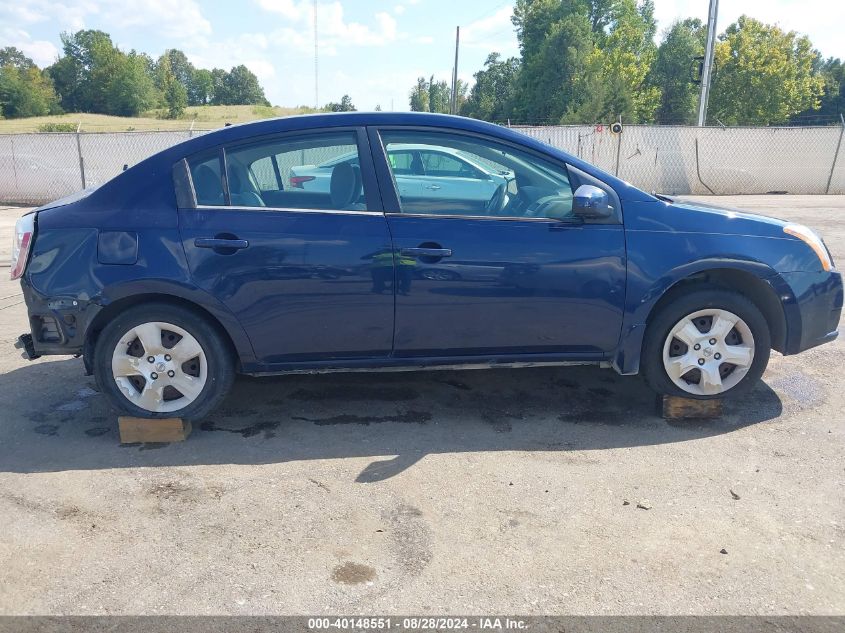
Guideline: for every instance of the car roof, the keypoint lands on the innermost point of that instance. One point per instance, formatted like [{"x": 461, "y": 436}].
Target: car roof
[{"x": 146, "y": 183}]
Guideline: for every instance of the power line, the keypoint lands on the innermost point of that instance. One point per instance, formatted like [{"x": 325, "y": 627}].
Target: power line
[{"x": 489, "y": 13}]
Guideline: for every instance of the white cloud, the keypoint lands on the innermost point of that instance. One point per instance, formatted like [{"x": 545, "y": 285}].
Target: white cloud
[
  {"x": 399, "y": 9},
  {"x": 43, "y": 53},
  {"x": 333, "y": 30},
  {"x": 249, "y": 49},
  {"x": 820, "y": 20},
  {"x": 494, "y": 32},
  {"x": 181, "y": 19},
  {"x": 71, "y": 15}
]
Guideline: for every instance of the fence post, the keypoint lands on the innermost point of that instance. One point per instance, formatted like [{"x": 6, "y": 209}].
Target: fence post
[
  {"x": 836, "y": 154},
  {"x": 79, "y": 151},
  {"x": 618, "y": 149}
]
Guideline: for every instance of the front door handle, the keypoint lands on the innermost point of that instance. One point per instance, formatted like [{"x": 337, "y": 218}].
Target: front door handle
[
  {"x": 433, "y": 187},
  {"x": 218, "y": 242},
  {"x": 426, "y": 252}
]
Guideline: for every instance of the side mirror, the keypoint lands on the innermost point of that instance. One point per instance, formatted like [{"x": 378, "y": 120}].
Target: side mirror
[{"x": 591, "y": 203}]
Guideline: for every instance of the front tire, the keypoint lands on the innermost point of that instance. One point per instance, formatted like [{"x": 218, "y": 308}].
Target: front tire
[
  {"x": 709, "y": 343},
  {"x": 162, "y": 361}
]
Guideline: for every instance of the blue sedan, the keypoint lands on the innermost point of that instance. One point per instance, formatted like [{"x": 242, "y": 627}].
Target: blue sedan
[{"x": 203, "y": 261}]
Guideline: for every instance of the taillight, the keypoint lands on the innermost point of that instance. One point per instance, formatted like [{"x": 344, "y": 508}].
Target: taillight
[
  {"x": 296, "y": 181},
  {"x": 21, "y": 244}
]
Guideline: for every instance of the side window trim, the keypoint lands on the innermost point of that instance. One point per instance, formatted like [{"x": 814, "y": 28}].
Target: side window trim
[
  {"x": 390, "y": 195},
  {"x": 372, "y": 191}
]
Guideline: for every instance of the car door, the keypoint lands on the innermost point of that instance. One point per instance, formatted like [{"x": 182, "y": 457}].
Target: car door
[
  {"x": 523, "y": 278},
  {"x": 303, "y": 271}
]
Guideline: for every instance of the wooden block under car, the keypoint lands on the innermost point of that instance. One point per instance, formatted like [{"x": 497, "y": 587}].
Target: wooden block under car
[
  {"x": 134, "y": 430},
  {"x": 676, "y": 408}
]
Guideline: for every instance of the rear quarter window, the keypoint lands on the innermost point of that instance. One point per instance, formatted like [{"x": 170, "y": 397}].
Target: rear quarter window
[{"x": 207, "y": 179}]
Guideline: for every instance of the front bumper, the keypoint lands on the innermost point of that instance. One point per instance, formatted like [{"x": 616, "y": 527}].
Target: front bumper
[{"x": 813, "y": 311}]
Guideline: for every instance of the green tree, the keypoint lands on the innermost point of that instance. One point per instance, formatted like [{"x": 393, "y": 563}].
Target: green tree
[
  {"x": 242, "y": 88},
  {"x": 555, "y": 41},
  {"x": 672, "y": 72},
  {"x": 765, "y": 75},
  {"x": 219, "y": 87},
  {"x": 201, "y": 90},
  {"x": 832, "y": 102},
  {"x": 25, "y": 90},
  {"x": 585, "y": 60},
  {"x": 11, "y": 56},
  {"x": 172, "y": 89},
  {"x": 439, "y": 96},
  {"x": 130, "y": 90},
  {"x": 94, "y": 75},
  {"x": 345, "y": 105},
  {"x": 616, "y": 79},
  {"x": 419, "y": 96},
  {"x": 492, "y": 95}
]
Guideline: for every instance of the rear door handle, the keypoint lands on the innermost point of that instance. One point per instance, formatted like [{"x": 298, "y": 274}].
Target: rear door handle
[
  {"x": 433, "y": 187},
  {"x": 217, "y": 242},
  {"x": 426, "y": 252}
]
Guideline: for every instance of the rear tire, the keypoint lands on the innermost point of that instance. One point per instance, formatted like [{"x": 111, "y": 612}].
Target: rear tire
[
  {"x": 163, "y": 361},
  {"x": 709, "y": 343}
]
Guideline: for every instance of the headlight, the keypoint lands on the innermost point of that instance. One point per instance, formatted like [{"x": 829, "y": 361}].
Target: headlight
[{"x": 809, "y": 237}]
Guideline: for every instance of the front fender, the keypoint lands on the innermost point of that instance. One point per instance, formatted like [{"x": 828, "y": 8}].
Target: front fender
[{"x": 657, "y": 261}]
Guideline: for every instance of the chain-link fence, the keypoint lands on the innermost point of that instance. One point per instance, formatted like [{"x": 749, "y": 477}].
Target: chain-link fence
[
  {"x": 37, "y": 168},
  {"x": 691, "y": 160}
]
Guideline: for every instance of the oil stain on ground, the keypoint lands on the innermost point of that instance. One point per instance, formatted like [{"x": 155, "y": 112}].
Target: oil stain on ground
[
  {"x": 349, "y": 393},
  {"x": 406, "y": 417},
  {"x": 266, "y": 427},
  {"x": 353, "y": 573}
]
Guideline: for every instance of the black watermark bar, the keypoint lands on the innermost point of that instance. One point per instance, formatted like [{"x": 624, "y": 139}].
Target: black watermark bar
[{"x": 375, "y": 623}]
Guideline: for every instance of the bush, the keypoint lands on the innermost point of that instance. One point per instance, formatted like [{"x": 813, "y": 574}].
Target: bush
[{"x": 57, "y": 127}]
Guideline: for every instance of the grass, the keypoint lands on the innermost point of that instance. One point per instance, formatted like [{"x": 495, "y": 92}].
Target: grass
[{"x": 203, "y": 118}]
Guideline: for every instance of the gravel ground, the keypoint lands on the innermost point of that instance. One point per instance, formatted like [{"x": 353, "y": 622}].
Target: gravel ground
[{"x": 507, "y": 491}]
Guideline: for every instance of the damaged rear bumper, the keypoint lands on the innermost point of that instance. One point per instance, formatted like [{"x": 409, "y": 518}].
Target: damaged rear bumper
[{"x": 27, "y": 347}]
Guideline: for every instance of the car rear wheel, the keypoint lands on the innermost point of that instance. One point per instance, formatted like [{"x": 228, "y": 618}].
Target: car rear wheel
[
  {"x": 709, "y": 343},
  {"x": 162, "y": 361}
]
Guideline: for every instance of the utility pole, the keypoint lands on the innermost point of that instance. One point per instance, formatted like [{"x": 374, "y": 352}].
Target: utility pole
[
  {"x": 707, "y": 70},
  {"x": 316, "y": 75},
  {"x": 453, "y": 106}
]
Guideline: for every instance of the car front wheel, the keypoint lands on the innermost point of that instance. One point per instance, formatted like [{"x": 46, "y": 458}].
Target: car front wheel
[
  {"x": 160, "y": 361},
  {"x": 708, "y": 343}
]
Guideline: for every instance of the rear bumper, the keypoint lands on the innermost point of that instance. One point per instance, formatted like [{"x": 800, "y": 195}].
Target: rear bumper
[
  {"x": 25, "y": 344},
  {"x": 812, "y": 317},
  {"x": 57, "y": 324}
]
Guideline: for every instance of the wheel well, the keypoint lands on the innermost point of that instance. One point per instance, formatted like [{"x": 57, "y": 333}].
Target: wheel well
[
  {"x": 748, "y": 284},
  {"x": 110, "y": 311}
]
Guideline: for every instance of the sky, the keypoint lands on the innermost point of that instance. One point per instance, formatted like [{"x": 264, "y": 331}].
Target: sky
[{"x": 372, "y": 50}]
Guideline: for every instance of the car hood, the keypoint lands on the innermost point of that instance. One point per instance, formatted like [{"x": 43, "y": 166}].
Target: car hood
[{"x": 687, "y": 217}]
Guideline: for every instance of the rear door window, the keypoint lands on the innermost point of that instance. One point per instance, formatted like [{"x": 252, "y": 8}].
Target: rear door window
[{"x": 318, "y": 171}]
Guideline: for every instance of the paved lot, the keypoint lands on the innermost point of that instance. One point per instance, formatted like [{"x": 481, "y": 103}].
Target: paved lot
[{"x": 495, "y": 491}]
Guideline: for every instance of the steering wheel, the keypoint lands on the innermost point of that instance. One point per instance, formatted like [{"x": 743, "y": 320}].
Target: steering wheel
[{"x": 497, "y": 201}]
